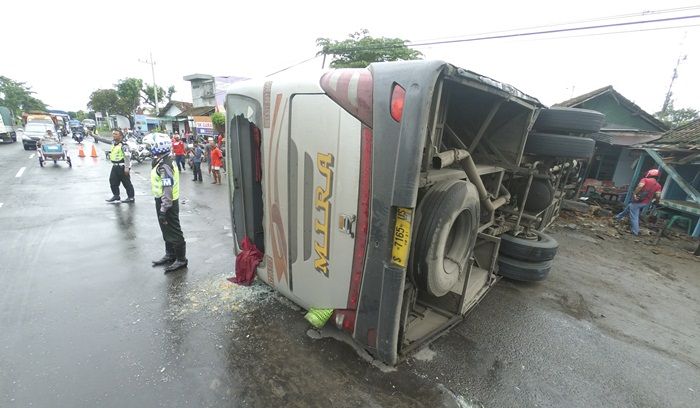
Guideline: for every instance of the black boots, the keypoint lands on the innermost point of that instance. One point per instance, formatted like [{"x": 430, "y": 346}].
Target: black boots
[
  {"x": 180, "y": 258},
  {"x": 168, "y": 257}
]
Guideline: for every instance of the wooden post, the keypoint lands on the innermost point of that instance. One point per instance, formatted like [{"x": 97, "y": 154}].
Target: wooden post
[{"x": 635, "y": 177}]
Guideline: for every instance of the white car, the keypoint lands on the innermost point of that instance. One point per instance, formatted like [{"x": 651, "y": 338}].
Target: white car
[{"x": 34, "y": 131}]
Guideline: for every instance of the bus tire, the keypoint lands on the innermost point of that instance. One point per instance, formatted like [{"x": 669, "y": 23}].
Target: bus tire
[
  {"x": 537, "y": 247},
  {"x": 523, "y": 270},
  {"x": 569, "y": 120},
  {"x": 546, "y": 144},
  {"x": 447, "y": 222}
]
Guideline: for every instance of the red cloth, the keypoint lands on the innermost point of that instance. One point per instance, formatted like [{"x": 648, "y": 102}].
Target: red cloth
[
  {"x": 246, "y": 263},
  {"x": 216, "y": 157},
  {"x": 651, "y": 187},
  {"x": 220, "y": 139},
  {"x": 178, "y": 148}
]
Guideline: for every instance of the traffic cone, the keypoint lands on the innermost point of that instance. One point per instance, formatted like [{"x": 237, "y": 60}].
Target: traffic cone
[
  {"x": 81, "y": 153},
  {"x": 94, "y": 152}
]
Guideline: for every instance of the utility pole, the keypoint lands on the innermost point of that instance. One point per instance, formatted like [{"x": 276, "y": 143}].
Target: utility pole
[
  {"x": 667, "y": 100},
  {"x": 153, "y": 73},
  {"x": 669, "y": 94}
]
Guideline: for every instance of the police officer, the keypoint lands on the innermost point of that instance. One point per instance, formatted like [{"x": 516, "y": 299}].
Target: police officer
[
  {"x": 165, "y": 185},
  {"x": 121, "y": 166}
]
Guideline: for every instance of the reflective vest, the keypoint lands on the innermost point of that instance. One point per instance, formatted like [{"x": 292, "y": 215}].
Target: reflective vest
[
  {"x": 157, "y": 183},
  {"x": 117, "y": 154}
]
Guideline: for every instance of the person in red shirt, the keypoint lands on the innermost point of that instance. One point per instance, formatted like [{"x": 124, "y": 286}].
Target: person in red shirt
[
  {"x": 216, "y": 162},
  {"x": 647, "y": 190},
  {"x": 179, "y": 152}
]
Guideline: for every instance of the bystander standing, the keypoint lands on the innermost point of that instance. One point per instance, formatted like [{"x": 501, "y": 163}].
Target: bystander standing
[
  {"x": 179, "y": 152},
  {"x": 197, "y": 154},
  {"x": 216, "y": 161}
]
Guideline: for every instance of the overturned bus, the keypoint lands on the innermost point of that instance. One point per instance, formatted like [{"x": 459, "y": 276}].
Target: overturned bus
[{"x": 398, "y": 194}]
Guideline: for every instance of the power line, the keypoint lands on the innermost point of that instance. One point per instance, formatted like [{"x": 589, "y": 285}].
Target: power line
[
  {"x": 641, "y": 30},
  {"x": 529, "y": 34},
  {"x": 559, "y": 30},
  {"x": 292, "y": 66},
  {"x": 605, "y": 18}
]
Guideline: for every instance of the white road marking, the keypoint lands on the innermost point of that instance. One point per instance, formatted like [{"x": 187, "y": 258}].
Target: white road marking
[
  {"x": 31, "y": 156},
  {"x": 19, "y": 173},
  {"x": 1, "y": 205}
]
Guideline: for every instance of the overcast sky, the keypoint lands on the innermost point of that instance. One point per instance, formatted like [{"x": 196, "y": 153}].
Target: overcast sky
[{"x": 67, "y": 49}]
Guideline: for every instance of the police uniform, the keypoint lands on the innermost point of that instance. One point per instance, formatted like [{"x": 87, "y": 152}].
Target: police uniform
[
  {"x": 119, "y": 156},
  {"x": 165, "y": 186}
]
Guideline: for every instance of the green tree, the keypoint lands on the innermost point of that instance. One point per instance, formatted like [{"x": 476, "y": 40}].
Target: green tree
[
  {"x": 79, "y": 115},
  {"x": 104, "y": 100},
  {"x": 677, "y": 117},
  {"x": 164, "y": 97},
  {"x": 218, "y": 119},
  {"x": 361, "y": 49},
  {"x": 18, "y": 97},
  {"x": 129, "y": 91}
]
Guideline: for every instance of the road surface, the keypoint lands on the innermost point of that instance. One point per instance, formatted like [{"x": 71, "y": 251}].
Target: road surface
[{"x": 86, "y": 321}]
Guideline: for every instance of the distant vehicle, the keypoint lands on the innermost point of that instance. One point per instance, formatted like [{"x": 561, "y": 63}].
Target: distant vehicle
[
  {"x": 61, "y": 126},
  {"x": 35, "y": 131},
  {"x": 50, "y": 148},
  {"x": 90, "y": 124},
  {"x": 7, "y": 126},
  {"x": 37, "y": 116}
]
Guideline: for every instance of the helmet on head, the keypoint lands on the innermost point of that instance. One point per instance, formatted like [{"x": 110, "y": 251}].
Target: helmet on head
[
  {"x": 160, "y": 145},
  {"x": 652, "y": 173}
]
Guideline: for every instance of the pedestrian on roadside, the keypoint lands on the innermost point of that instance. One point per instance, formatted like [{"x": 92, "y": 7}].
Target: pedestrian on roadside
[
  {"x": 216, "y": 160},
  {"x": 197, "y": 154},
  {"x": 179, "y": 152},
  {"x": 648, "y": 190},
  {"x": 165, "y": 186},
  {"x": 121, "y": 166}
]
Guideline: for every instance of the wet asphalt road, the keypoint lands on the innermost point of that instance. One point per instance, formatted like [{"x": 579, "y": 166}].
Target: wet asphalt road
[{"x": 85, "y": 320}]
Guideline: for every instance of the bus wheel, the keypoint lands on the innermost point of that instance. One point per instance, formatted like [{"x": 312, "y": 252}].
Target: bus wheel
[{"x": 447, "y": 222}]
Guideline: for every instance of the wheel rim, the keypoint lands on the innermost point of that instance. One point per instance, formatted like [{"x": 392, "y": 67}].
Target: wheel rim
[{"x": 457, "y": 244}]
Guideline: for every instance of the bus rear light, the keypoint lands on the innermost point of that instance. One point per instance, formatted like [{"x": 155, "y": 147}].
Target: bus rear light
[
  {"x": 344, "y": 320},
  {"x": 398, "y": 96}
]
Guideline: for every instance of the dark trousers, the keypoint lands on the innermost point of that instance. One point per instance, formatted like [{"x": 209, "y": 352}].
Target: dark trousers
[
  {"x": 197, "y": 171},
  {"x": 172, "y": 233},
  {"x": 117, "y": 176},
  {"x": 180, "y": 160}
]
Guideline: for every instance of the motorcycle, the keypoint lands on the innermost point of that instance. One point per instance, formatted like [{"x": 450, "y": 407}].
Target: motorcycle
[
  {"x": 139, "y": 151},
  {"x": 78, "y": 134}
]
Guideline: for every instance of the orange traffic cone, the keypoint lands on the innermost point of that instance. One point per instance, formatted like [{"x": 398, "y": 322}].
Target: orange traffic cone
[
  {"x": 94, "y": 152},
  {"x": 81, "y": 153}
]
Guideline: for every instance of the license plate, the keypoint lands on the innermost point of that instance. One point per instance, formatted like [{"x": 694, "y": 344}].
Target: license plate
[{"x": 402, "y": 236}]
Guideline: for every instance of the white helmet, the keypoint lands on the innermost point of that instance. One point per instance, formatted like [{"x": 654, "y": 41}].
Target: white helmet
[{"x": 160, "y": 145}]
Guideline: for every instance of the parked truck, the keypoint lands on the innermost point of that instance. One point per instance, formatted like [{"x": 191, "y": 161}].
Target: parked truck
[
  {"x": 7, "y": 126},
  {"x": 399, "y": 194}
]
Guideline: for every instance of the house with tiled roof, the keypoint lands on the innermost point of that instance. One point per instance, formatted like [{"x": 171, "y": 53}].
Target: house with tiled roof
[
  {"x": 626, "y": 124},
  {"x": 677, "y": 154}
]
